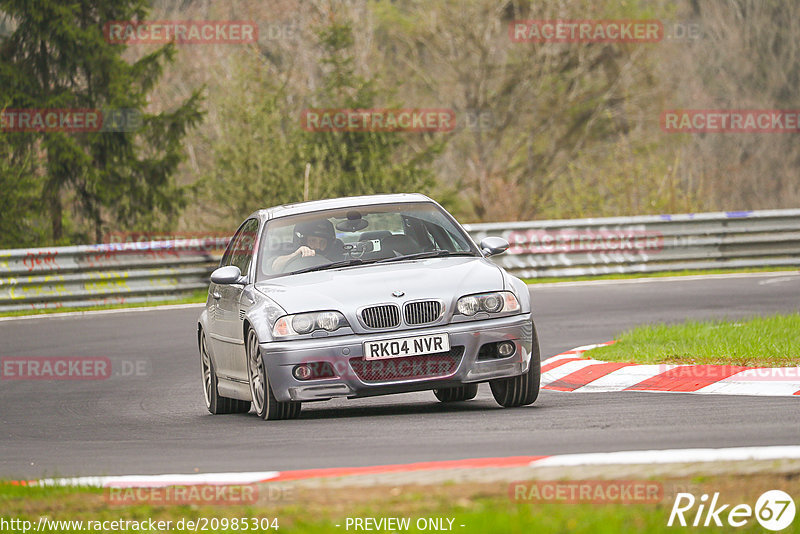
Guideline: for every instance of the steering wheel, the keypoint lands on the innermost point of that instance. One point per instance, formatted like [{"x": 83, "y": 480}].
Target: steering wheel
[{"x": 303, "y": 262}]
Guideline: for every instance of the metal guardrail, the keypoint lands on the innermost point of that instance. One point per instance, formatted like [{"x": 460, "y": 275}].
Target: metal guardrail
[
  {"x": 648, "y": 244},
  {"x": 161, "y": 270},
  {"x": 115, "y": 273}
]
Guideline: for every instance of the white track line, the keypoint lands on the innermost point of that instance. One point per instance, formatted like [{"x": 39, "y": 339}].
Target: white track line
[
  {"x": 558, "y": 357},
  {"x": 670, "y": 456},
  {"x": 160, "y": 481},
  {"x": 574, "y": 353},
  {"x": 743, "y": 384},
  {"x": 584, "y": 348}
]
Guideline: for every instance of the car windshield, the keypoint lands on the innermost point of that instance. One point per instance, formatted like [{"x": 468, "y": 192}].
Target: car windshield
[{"x": 357, "y": 236}]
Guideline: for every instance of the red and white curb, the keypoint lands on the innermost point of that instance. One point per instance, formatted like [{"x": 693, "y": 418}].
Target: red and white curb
[
  {"x": 640, "y": 457},
  {"x": 571, "y": 371},
  {"x": 156, "y": 481}
]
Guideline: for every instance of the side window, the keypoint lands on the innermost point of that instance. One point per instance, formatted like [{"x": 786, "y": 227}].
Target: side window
[
  {"x": 226, "y": 257},
  {"x": 243, "y": 244}
]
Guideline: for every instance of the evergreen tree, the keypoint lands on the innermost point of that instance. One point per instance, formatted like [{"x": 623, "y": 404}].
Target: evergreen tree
[
  {"x": 19, "y": 201},
  {"x": 57, "y": 57},
  {"x": 360, "y": 163}
]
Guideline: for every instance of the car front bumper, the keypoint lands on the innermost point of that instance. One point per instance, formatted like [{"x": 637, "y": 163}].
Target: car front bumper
[{"x": 345, "y": 355}]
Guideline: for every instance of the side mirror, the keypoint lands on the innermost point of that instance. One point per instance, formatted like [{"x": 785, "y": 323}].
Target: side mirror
[
  {"x": 494, "y": 245},
  {"x": 229, "y": 274}
]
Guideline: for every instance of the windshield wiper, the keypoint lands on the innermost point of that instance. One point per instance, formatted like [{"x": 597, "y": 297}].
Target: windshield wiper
[
  {"x": 334, "y": 265},
  {"x": 427, "y": 254}
]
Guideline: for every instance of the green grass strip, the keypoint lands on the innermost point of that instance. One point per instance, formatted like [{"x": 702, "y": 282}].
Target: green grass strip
[
  {"x": 772, "y": 341},
  {"x": 485, "y": 514}
]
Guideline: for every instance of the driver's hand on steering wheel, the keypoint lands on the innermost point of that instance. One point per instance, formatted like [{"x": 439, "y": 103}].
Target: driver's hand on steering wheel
[
  {"x": 281, "y": 261},
  {"x": 304, "y": 251}
]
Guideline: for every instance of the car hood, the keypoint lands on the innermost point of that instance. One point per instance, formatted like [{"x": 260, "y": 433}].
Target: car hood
[{"x": 350, "y": 288}]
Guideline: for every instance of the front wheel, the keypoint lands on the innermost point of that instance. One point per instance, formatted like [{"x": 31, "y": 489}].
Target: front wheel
[
  {"x": 457, "y": 394},
  {"x": 523, "y": 389},
  {"x": 216, "y": 403},
  {"x": 264, "y": 401}
]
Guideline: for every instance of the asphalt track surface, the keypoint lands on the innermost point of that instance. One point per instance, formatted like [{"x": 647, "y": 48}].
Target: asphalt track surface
[{"x": 155, "y": 421}]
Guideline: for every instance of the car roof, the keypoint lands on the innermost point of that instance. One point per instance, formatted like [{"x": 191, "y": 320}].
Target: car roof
[{"x": 338, "y": 203}]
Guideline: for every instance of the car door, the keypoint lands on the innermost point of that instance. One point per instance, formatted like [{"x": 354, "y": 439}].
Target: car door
[
  {"x": 226, "y": 325},
  {"x": 216, "y": 319},
  {"x": 238, "y": 298}
]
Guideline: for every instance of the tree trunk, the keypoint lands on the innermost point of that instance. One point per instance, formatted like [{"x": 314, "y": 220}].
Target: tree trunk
[{"x": 56, "y": 210}]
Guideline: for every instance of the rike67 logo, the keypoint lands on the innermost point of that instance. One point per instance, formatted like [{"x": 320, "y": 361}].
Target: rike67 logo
[{"x": 774, "y": 510}]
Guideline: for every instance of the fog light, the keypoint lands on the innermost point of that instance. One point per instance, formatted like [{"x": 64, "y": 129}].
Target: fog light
[
  {"x": 505, "y": 348},
  {"x": 302, "y": 372}
]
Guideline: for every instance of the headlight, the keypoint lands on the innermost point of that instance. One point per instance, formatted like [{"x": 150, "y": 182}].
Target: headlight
[
  {"x": 329, "y": 321},
  {"x": 498, "y": 302},
  {"x": 492, "y": 303},
  {"x": 468, "y": 305},
  {"x": 305, "y": 323}
]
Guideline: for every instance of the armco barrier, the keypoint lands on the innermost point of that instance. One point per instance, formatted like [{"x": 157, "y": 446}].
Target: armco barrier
[
  {"x": 647, "y": 244},
  {"x": 113, "y": 273},
  {"x": 138, "y": 272}
]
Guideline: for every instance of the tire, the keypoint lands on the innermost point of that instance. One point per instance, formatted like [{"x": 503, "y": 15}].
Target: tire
[
  {"x": 520, "y": 390},
  {"x": 263, "y": 399},
  {"x": 216, "y": 403},
  {"x": 457, "y": 394}
]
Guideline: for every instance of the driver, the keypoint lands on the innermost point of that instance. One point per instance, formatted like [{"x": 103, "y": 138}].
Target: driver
[{"x": 315, "y": 238}]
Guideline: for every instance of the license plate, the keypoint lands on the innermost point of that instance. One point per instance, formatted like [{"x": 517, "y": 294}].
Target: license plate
[{"x": 407, "y": 346}]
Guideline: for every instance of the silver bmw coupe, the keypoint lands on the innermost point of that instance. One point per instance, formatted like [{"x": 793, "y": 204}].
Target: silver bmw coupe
[{"x": 362, "y": 296}]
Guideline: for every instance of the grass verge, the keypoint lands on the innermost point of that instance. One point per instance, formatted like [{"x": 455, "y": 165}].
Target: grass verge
[
  {"x": 771, "y": 341},
  {"x": 484, "y": 508},
  {"x": 620, "y": 276}
]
